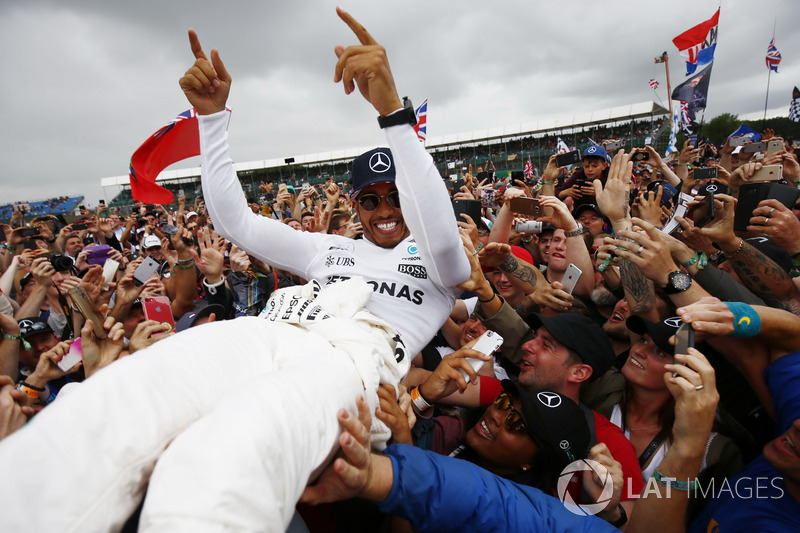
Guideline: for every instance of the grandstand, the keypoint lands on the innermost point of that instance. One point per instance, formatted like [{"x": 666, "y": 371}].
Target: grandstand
[
  {"x": 64, "y": 205},
  {"x": 508, "y": 148}
]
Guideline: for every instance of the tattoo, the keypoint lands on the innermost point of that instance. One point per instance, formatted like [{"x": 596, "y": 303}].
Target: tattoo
[
  {"x": 524, "y": 273},
  {"x": 762, "y": 276},
  {"x": 638, "y": 289}
]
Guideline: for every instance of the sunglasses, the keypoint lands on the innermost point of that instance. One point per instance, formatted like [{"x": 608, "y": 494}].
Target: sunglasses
[
  {"x": 514, "y": 421},
  {"x": 371, "y": 201}
]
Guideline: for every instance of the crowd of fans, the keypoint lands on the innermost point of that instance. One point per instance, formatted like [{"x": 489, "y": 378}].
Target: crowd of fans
[{"x": 591, "y": 302}]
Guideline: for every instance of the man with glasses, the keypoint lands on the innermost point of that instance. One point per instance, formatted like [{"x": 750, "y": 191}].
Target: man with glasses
[{"x": 249, "y": 406}]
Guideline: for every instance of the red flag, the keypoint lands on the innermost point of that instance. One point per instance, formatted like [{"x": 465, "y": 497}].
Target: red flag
[{"x": 178, "y": 140}]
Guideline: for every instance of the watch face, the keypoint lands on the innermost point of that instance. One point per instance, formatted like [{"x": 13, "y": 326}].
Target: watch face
[{"x": 679, "y": 280}]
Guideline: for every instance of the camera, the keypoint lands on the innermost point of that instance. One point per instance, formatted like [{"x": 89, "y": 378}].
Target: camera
[
  {"x": 61, "y": 263},
  {"x": 530, "y": 226}
]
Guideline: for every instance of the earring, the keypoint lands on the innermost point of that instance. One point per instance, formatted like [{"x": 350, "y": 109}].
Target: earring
[{"x": 525, "y": 468}]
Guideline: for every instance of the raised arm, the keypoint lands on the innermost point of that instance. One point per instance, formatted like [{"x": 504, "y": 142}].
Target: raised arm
[{"x": 426, "y": 204}]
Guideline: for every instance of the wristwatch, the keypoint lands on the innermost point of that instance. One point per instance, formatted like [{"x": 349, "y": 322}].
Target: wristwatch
[
  {"x": 574, "y": 233},
  {"x": 678, "y": 281},
  {"x": 404, "y": 116}
]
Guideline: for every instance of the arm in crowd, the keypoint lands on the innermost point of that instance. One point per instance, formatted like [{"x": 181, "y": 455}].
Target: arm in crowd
[
  {"x": 577, "y": 253},
  {"x": 9, "y": 346},
  {"x": 614, "y": 201}
]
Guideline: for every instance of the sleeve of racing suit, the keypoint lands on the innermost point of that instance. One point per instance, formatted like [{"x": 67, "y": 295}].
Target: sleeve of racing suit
[
  {"x": 427, "y": 209},
  {"x": 269, "y": 240}
]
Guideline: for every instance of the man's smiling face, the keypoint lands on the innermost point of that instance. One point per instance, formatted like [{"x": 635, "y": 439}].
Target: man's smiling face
[{"x": 384, "y": 226}]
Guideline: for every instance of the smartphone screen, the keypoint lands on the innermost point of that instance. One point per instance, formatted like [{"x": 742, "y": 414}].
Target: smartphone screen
[{"x": 74, "y": 356}]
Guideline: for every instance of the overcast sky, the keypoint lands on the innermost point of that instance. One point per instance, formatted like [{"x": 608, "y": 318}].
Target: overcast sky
[{"x": 86, "y": 81}]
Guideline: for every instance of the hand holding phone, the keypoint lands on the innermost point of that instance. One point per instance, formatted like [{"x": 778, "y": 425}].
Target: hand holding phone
[
  {"x": 488, "y": 343},
  {"x": 684, "y": 339},
  {"x": 571, "y": 278}
]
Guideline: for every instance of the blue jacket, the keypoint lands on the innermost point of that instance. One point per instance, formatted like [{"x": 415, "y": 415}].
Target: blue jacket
[{"x": 442, "y": 494}]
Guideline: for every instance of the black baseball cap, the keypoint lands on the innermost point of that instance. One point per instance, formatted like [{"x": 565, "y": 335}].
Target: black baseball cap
[
  {"x": 190, "y": 319},
  {"x": 375, "y": 166},
  {"x": 554, "y": 420},
  {"x": 581, "y": 335},
  {"x": 34, "y": 325}
]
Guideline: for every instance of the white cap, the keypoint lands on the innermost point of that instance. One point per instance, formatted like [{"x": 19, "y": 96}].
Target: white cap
[
  {"x": 150, "y": 241},
  {"x": 191, "y": 214}
]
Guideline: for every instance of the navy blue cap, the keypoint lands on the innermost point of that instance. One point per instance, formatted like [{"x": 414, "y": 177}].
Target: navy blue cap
[
  {"x": 375, "y": 166},
  {"x": 596, "y": 151}
]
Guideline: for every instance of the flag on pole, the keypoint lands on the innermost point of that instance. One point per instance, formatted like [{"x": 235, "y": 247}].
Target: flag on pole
[
  {"x": 694, "y": 91},
  {"x": 528, "y": 171},
  {"x": 697, "y": 44},
  {"x": 421, "y": 127},
  {"x": 178, "y": 140},
  {"x": 794, "y": 107},
  {"x": 562, "y": 146},
  {"x": 654, "y": 83},
  {"x": 673, "y": 135},
  {"x": 773, "y": 58}
]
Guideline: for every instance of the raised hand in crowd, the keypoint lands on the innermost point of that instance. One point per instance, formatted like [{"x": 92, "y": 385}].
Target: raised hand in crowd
[
  {"x": 552, "y": 295},
  {"x": 98, "y": 354},
  {"x": 613, "y": 198},
  {"x": 14, "y": 411},
  {"x": 211, "y": 260},
  {"x": 148, "y": 332},
  {"x": 647, "y": 206},
  {"x": 47, "y": 367},
  {"x": 9, "y": 347},
  {"x": 469, "y": 227},
  {"x": 354, "y": 229},
  {"x": 594, "y": 481},
  {"x": 778, "y": 222},
  {"x": 207, "y": 83},
  {"x": 240, "y": 261},
  {"x": 392, "y": 414}
]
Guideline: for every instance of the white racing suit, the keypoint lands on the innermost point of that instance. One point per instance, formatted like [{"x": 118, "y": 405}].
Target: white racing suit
[{"x": 245, "y": 409}]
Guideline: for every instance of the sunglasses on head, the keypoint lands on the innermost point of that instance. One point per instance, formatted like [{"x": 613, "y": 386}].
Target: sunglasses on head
[
  {"x": 370, "y": 201},
  {"x": 513, "y": 421}
]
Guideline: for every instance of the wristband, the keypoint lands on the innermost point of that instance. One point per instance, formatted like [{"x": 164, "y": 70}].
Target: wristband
[
  {"x": 419, "y": 402},
  {"x": 29, "y": 392},
  {"x": 623, "y": 517},
  {"x": 700, "y": 258},
  {"x": 11, "y": 337},
  {"x": 671, "y": 482},
  {"x": 548, "y": 183},
  {"x": 486, "y": 301},
  {"x": 26, "y": 384},
  {"x": 739, "y": 249},
  {"x": 189, "y": 261},
  {"x": 746, "y": 322}
]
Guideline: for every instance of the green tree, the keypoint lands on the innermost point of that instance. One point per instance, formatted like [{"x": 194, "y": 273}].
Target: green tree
[{"x": 719, "y": 127}]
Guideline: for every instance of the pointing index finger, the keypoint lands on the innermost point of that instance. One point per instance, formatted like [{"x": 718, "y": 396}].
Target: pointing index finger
[
  {"x": 197, "y": 49},
  {"x": 361, "y": 32}
]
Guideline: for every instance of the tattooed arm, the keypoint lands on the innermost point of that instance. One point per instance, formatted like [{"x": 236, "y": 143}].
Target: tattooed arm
[
  {"x": 763, "y": 276},
  {"x": 522, "y": 274}
]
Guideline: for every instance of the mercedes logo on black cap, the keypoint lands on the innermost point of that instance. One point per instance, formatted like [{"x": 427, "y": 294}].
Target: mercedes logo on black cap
[
  {"x": 712, "y": 188},
  {"x": 674, "y": 322},
  {"x": 549, "y": 399},
  {"x": 379, "y": 162}
]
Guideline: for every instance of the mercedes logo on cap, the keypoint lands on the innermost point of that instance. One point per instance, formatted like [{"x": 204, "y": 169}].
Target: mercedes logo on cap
[
  {"x": 549, "y": 399},
  {"x": 591, "y": 150},
  {"x": 674, "y": 322},
  {"x": 25, "y": 323},
  {"x": 379, "y": 162},
  {"x": 712, "y": 188}
]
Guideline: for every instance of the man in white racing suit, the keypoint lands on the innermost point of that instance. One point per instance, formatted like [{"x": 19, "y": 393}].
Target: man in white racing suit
[{"x": 248, "y": 407}]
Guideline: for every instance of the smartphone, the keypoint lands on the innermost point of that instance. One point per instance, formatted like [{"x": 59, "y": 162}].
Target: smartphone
[
  {"x": 704, "y": 173},
  {"x": 29, "y": 232},
  {"x": 158, "y": 308},
  {"x": 482, "y": 175},
  {"x": 88, "y": 309},
  {"x": 738, "y": 141},
  {"x": 488, "y": 343},
  {"x": 767, "y": 173},
  {"x": 571, "y": 278},
  {"x": 616, "y": 145},
  {"x": 774, "y": 147},
  {"x": 30, "y": 244},
  {"x": 684, "y": 339},
  {"x": 693, "y": 140},
  {"x": 569, "y": 158},
  {"x": 517, "y": 175},
  {"x": 97, "y": 255},
  {"x": 468, "y": 207},
  {"x": 642, "y": 155},
  {"x": 110, "y": 268},
  {"x": 703, "y": 213},
  {"x": 80, "y": 226},
  {"x": 74, "y": 356},
  {"x": 489, "y": 198},
  {"x": 459, "y": 183},
  {"x": 144, "y": 271},
  {"x": 751, "y": 194},
  {"x": 525, "y": 206},
  {"x": 754, "y": 147}
]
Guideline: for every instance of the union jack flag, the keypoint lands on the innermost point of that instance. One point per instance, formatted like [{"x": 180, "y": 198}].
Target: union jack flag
[
  {"x": 654, "y": 83},
  {"x": 773, "y": 58},
  {"x": 421, "y": 126},
  {"x": 528, "y": 169}
]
